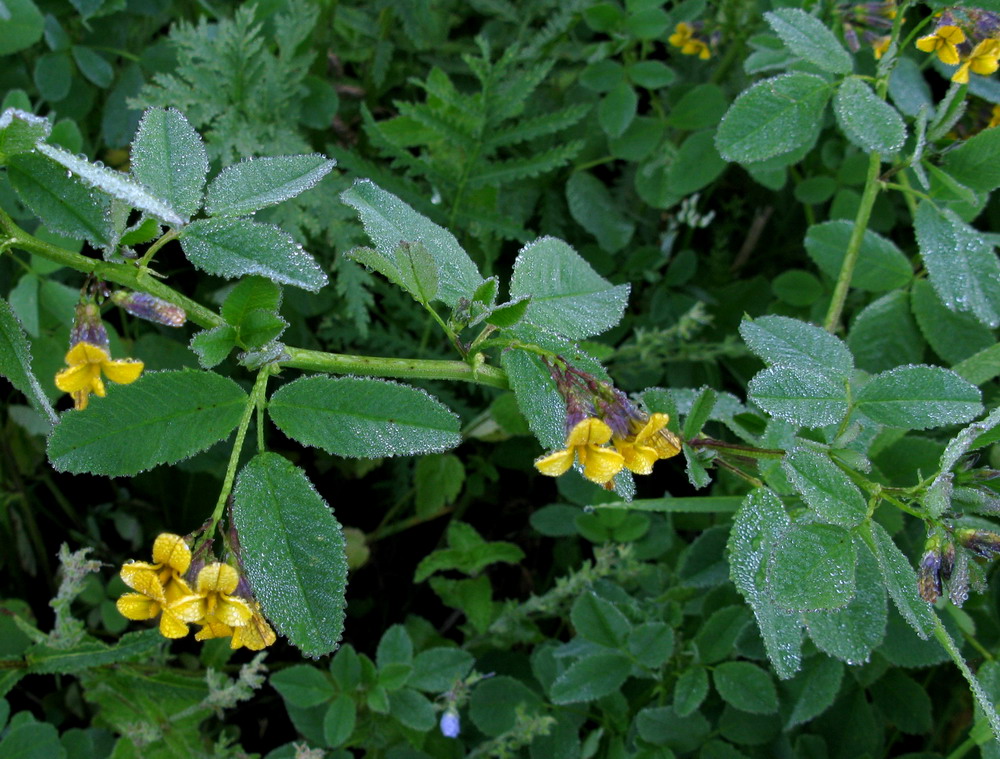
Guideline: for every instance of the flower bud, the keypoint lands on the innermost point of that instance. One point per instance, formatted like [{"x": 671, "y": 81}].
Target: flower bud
[
  {"x": 451, "y": 726},
  {"x": 150, "y": 308},
  {"x": 88, "y": 327}
]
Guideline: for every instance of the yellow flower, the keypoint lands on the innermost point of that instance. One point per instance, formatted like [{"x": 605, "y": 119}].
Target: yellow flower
[
  {"x": 695, "y": 46},
  {"x": 682, "y": 33},
  {"x": 881, "y": 45},
  {"x": 585, "y": 443},
  {"x": 649, "y": 442},
  {"x": 213, "y": 605},
  {"x": 994, "y": 117},
  {"x": 944, "y": 42},
  {"x": 256, "y": 634},
  {"x": 83, "y": 377},
  {"x": 982, "y": 60},
  {"x": 160, "y": 586}
]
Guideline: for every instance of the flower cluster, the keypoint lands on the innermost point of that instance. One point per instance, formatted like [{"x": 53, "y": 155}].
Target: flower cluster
[
  {"x": 221, "y": 602},
  {"x": 938, "y": 562},
  {"x": 871, "y": 22},
  {"x": 89, "y": 356},
  {"x": 598, "y": 414},
  {"x": 969, "y": 39},
  {"x": 690, "y": 40}
]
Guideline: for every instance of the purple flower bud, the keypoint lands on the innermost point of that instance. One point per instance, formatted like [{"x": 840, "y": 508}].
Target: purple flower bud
[
  {"x": 88, "y": 327},
  {"x": 981, "y": 542},
  {"x": 929, "y": 577},
  {"x": 450, "y": 724},
  {"x": 150, "y": 308}
]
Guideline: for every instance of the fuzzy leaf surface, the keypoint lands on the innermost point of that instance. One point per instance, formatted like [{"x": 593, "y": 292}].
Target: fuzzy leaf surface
[
  {"x": 256, "y": 183},
  {"x": 169, "y": 159}
]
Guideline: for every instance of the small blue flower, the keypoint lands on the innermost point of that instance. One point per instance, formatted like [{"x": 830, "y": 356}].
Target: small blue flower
[{"x": 450, "y": 725}]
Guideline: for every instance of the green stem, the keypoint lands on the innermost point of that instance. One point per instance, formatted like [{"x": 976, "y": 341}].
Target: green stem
[
  {"x": 151, "y": 250},
  {"x": 743, "y": 450},
  {"x": 843, "y": 285},
  {"x": 978, "y": 693},
  {"x": 403, "y": 368},
  {"x": 253, "y": 402},
  {"x": 129, "y": 275}
]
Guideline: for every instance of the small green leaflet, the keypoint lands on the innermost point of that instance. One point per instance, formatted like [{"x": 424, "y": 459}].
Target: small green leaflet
[
  {"x": 256, "y": 183},
  {"x": 169, "y": 159}
]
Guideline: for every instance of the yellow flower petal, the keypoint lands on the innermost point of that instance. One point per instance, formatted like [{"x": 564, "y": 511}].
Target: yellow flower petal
[
  {"x": 171, "y": 626},
  {"x": 951, "y": 34},
  {"x": 256, "y": 635},
  {"x": 638, "y": 458},
  {"x": 76, "y": 378},
  {"x": 556, "y": 463},
  {"x": 212, "y": 628},
  {"x": 123, "y": 371},
  {"x": 85, "y": 353},
  {"x": 234, "y": 612},
  {"x": 217, "y": 577},
  {"x": 137, "y": 606},
  {"x": 188, "y": 608},
  {"x": 590, "y": 431},
  {"x": 171, "y": 550},
  {"x": 600, "y": 465},
  {"x": 144, "y": 578}
]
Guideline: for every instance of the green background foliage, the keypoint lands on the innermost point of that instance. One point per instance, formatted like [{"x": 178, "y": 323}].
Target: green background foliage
[{"x": 788, "y": 247}]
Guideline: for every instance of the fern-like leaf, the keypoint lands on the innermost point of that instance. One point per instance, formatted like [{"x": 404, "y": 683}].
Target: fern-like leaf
[
  {"x": 538, "y": 126},
  {"x": 504, "y": 172}
]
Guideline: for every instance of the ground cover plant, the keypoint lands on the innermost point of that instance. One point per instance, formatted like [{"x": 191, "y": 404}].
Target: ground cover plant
[{"x": 546, "y": 379}]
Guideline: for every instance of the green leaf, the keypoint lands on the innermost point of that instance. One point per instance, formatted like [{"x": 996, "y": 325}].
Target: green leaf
[
  {"x": 303, "y": 686},
  {"x": 593, "y": 208},
  {"x": 256, "y": 183},
  {"x": 651, "y": 74},
  {"x": 418, "y": 272},
  {"x": 20, "y": 131},
  {"x": 508, "y": 314},
  {"x": 53, "y": 75},
  {"x": 161, "y": 418},
  {"x": 809, "y": 39},
  {"x": 617, "y": 109},
  {"x": 781, "y": 341},
  {"x": 567, "y": 295},
  {"x": 812, "y": 567},
  {"x": 701, "y": 107},
  {"x": 885, "y": 335},
  {"x": 412, "y": 709},
  {"x": 982, "y": 367},
  {"x": 395, "y": 647},
  {"x": 867, "y": 120},
  {"x": 953, "y": 336},
  {"x": 537, "y": 397},
  {"x": 603, "y": 75},
  {"x": 800, "y": 396},
  {"x": 15, "y": 362},
  {"x": 363, "y": 418},
  {"x": 813, "y": 690},
  {"x": 213, "y": 345},
  {"x": 960, "y": 263},
  {"x": 716, "y": 637},
  {"x": 919, "y": 397},
  {"x": 339, "y": 720},
  {"x": 701, "y": 412},
  {"x": 746, "y": 687},
  {"x": 20, "y": 27},
  {"x": 113, "y": 183},
  {"x": 170, "y": 160},
  {"x": 662, "y": 726},
  {"x": 900, "y": 580},
  {"x": 972, "y": 164},
  {"x": 758, "y": 527},
  {"x": 904, "y": 702},
  {"x": 496, "y": 701},
  {"x": 438, "y": 479},
  {"x": 63, "y": 203},
  {"x": 43, "y": 659},
  {"x": 880, "y": 264},
  {"x": 389, "y": 221},
  {"x": 467, "y": 553},
  {"x": 591, "y": 678},
  {"x": 233, "y": 247},
  {"x": 825, "y": 487},
  {"x": 31, "y": 740},
  {"x": 690, "y": 690},
  {"x": 249, "y": 295},
  {"x": 438, "y": 669},
  {"x": 651, "y": 643},
  {"x": 599, "y": 621},
  {"x": 93, "y": 65},
  {"x": 772, "y": 117},
  {"x": 853, "y": 632},
  {"x": 292, "y": 550},
  {"x": 696, "y": 164}
]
